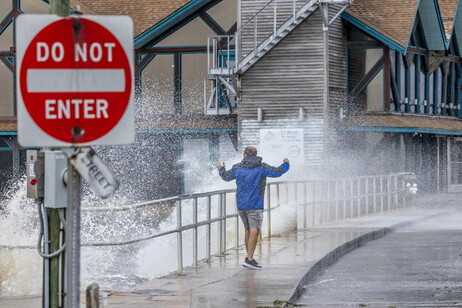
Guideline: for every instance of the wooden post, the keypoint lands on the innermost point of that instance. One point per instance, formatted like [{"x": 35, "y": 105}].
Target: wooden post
[
  {"x": 93, "y": 296},
  {"x": 60, "y": 8}
]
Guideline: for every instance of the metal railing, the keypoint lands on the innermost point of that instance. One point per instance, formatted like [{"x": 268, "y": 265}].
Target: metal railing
[{"x": 312, "y": 203}]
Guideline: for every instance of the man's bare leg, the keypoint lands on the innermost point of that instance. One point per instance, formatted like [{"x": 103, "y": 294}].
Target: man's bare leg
[
  {"x": 252, "y": 242},
  {"x": 246, "y": 240}
]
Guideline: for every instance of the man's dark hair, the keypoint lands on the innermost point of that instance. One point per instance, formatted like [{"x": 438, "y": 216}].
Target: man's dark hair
[{"x": 250, "y": 151}]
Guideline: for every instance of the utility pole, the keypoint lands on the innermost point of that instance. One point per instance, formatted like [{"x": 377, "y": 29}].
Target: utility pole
[{"x": 60, "y": 8}]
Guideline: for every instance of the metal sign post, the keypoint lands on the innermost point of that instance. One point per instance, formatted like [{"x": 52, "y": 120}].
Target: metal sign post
[
  {"x": 75, "y": 88},
  {"x": 72, "y": 261}
]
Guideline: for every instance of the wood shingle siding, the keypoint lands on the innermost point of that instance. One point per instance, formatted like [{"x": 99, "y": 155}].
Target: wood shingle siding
[{"x": 288, "y": 77}]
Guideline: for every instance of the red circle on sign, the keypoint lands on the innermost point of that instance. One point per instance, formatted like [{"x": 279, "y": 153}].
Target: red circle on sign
[{"x": 75, "y": 76}]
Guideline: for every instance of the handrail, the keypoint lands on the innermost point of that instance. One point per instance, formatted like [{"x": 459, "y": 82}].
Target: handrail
[
  {"x": 313, "y": 202},
  {"x": 254, "y": 16}
]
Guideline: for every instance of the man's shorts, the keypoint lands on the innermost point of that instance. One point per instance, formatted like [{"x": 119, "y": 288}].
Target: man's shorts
[{"x": 252, "y": 218}]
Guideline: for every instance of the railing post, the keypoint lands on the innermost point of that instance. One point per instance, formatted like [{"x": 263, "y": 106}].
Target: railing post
[
  {"x": 321, "y": 203},
  {"x": 228, "y": 55},
  {"x": 344, "y": 198},
  {"x": 195, "y": 232},
  {"x": 294, "y": 10},
  {"x": 179, "y": 238},
  {"x": 389, "y": 192},
  {"x": 236, "y": 233},
  {"x": 359, "y": 196},
  {"x": 296, "y": 201},
  {"x": 255, "y": 36},
  {"x": 214, "y": 52},
  {"x": 269, "y": 210},
  {"x": 208, "y": 53},
  {"x": 403, "y": 186},
  {"x": 336, "y": 195},
  {"x": 374, "y": 183},
  {"x": 274, "y": 18},
  {"x": 313, "y": 214},
  {"x": 351, "y": 198},
  {"x": 223, "y": 224},
  {"x": 367, "y": 196},
  {"x": 328, "y": 200},
  {"x": 208, "y": 231},
  {"x": 278, "y": 195},
  {"x": 305, "y": 219},
  {"x": 381, "y": 194},
  {"x": 396, "y": 191}
]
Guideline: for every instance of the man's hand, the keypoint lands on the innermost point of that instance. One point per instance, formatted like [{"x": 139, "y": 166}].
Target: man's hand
[
  {"x": 219, "y": 166},
  {"x": 285, "y": 160}
]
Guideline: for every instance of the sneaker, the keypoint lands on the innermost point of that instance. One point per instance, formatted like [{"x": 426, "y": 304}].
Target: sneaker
[{"x": 251, "y": 264}]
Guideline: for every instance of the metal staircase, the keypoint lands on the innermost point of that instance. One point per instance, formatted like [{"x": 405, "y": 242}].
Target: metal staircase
[{"x": 256, "y": 37}]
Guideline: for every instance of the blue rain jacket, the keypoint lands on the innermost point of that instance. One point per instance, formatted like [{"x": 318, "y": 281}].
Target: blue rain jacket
[{"x": 250, "y": 175}]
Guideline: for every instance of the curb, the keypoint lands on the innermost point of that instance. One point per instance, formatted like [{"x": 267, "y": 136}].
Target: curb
[{"x": 331, "y": 257}]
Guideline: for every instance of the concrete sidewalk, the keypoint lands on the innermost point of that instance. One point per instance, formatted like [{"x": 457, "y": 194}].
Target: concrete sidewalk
[{"x": 288, "y": 261}]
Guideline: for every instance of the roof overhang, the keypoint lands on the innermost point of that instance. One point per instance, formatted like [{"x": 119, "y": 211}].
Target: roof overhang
[
  {"x": 374, "y": 33},
  {"x": 402, "y": 124},
  {"x": 432, "y": 23},
  {"x": 169, "y": 22},
  {"x": 8, "y": 125}
]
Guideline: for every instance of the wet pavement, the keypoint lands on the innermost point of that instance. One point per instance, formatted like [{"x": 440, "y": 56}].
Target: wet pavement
[
  {"x": 417, "y": 266},
  {"x": 289, "y": 262}
]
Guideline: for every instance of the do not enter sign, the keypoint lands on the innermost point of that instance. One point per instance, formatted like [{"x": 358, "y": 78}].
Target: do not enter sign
[{"x": 75, "y": 80}]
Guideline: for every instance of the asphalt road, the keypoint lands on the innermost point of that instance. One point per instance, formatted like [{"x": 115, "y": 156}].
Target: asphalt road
[{"x": 419, "y": 266}]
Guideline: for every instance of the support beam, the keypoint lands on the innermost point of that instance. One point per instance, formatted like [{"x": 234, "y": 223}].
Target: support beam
[{"x": 386, "y": 76}]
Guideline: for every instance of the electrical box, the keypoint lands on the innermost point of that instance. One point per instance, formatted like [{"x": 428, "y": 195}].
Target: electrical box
[
  {"x": 55, "y": 171},
  {"x": 34, "y": 172}
]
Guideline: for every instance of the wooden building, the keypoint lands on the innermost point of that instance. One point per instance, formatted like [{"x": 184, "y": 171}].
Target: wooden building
[
  {"x": 177, "y": 140},
  {"x": 379, "y": 92},
  {"x": 375, "y": 86}
]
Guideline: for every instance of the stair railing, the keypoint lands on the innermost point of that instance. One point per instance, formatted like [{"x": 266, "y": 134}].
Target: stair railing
[{"x": 264, "y": 23}]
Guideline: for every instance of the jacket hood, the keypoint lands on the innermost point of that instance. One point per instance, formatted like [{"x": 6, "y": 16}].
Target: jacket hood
[{"x": 251, "y": 162}]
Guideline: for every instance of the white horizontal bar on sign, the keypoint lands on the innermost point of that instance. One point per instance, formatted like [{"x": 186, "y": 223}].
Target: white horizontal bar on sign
[{"x": 75, "y": 80}]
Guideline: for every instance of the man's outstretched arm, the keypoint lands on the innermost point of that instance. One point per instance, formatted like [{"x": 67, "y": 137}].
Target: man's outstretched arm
[
  {"x": 225, "y": 175},
  {"x": 274, "y": 172}
]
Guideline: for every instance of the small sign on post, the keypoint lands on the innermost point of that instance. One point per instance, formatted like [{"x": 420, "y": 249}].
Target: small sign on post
[{"x": 90, "y": 166}]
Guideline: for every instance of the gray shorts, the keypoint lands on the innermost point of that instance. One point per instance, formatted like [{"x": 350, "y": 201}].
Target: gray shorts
[{"x": 252, "y": 218}]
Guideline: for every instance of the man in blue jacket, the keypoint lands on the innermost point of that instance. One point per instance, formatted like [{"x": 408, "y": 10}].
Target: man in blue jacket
[{"x": 250, "y": 175}]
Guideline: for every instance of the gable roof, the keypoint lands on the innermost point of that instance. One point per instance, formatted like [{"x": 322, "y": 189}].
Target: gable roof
[
  {"x": 392, "y": 21},
  {"x": 448, "y": 10},
  {"x": 151, "y": 18},
  {"x": 145, "y": 13}
]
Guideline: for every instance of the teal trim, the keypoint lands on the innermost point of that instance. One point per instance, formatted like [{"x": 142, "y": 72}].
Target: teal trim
[
  {"x": 418, "y": 130},
  {"x": 430, "y": 19},
  {"x": 370, "y": 31},
  {"x": 176, "y": 46},
  {"x": 187, "y": 131},
  {"x": 378, "y": 47},
  {"x": 8, "y": 133},
  {"x": 169, "y": 22},
  {"x": 6, "y": 149},
  {"x": 441, "y": 24}
]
